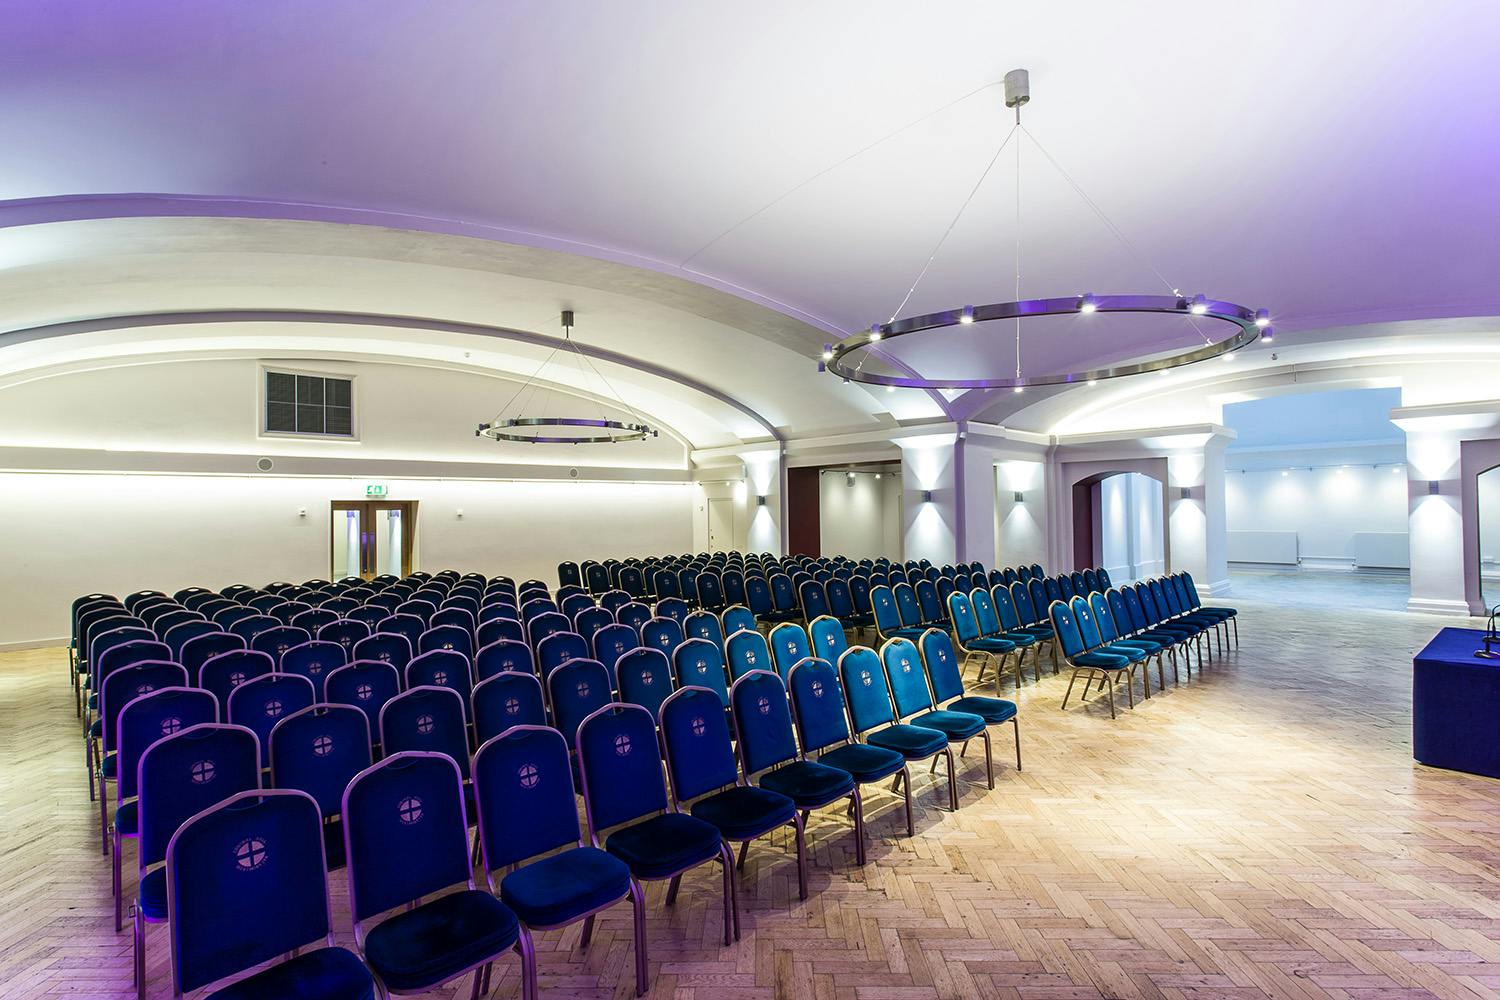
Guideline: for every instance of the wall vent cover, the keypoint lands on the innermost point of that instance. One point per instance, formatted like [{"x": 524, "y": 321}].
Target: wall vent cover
[{"x": 304, "y": 403}]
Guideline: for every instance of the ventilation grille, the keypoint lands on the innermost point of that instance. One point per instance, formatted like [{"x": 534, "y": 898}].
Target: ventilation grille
[{"x": 309, "y": 404}]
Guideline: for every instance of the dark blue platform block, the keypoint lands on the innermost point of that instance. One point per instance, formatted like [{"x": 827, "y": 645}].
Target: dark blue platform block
[{"x": 1455, "y": 717}]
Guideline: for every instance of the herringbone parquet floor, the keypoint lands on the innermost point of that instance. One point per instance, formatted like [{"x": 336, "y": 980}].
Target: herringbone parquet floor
[{"x": 1260, "y": 831}]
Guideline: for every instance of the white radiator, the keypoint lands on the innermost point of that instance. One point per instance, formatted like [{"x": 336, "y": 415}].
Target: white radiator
[
  {"x": 1276, "y": 547},
  {"x": 1382, "y": 550}
]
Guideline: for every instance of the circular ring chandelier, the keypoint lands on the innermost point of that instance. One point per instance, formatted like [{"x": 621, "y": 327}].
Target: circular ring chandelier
[
  {"x": 1249, "y": 325},
  {"x": 846, "y": 359},
  {"x": 565, "y": 429}
]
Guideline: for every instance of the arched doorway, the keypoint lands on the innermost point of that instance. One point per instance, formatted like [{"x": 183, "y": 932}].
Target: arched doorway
[{"x": 1120, "y": 523}]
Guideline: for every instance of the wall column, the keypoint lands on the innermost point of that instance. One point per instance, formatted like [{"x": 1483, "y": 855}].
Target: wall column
[
  {"x": 1197, "y": 529},
  {"x": 1435, "y": 522},
  {"x": 929, "y": 529},
  {"x": 765, "y": 476}
]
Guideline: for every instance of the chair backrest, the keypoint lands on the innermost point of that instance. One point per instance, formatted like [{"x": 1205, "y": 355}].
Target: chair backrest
[
  {"x": 1080, "y": 584},
  {"x": 695, "y": 735},
  {"x": 737, "y": 617},
  {"x": 903, "y": 672},
  {"x": 1103, "y": 620},
  {"x": 165, "y": 623},
  {"x": 961, "y": 614},
  {"x": 181, "y": 775},
  {"x": 762, "y": 721},
  {"x": 827, "y": 637},
  {"x": 1059, "y": 588},
  {"x": 545, "y": 624},
  {"x": 576, "y": 689},
  {"x": 123, "y": 654},
  {"x": 734, "y": 586},
  {"x": 758, "y": 595},
  {"x": 662, "y": 633},
  {"x": 613, "y": 600},
  {"x": 704, "y": 625},
  {"x": 1091, "y": 581},
  {"x": 364, "y": 684},
  {"x": 698, "y": 662},
  {"x": 261, "y": 702},
  {"x": 941, "y": 661},
  {"x": 596, "y": 577},
  {"x": 223, "y": 673},
  {"x": 984, "y": 612},
  {"x": 612, "y": 642},
  {"x": 504, "y": 655},
  {"x": 865, "y": 692},
  {"x": 789, "y": 646},
  {"x": 1134, "y": 612},
  {"x": 128, "y": 683},
  {"x": 591, "y": 619},
  {"x": 817, "y": 705},
  {"x": 345, "y": 632},
  {"x": 907, "y": 605},
  {"x": 710, "y": 591},
  {"x": 813, "y": 598},
  {"x": 634, "y": 614},
  {"x": 507, "y": 699},
  {"x": 247, "y": 881},
  {"x": 1004, "y": 605},
  {"x": 859, "y": 593},
  {"x": 644, "y": 677},
  {"x": 314, "y": 660},
  {"x": 387, "y": 647},
  {"x": 427, "y": 719},
  {"x": 929, "y": 603},
  {"x": 746, "y": 651},
  {"x": 405, "y": 831},
  {"x": 840, "y": 599},
  {"x": 442, "y": 668},
  {"x": 620, "y": 766},
  {"x": 524, "y": 773},
  {"x": 319, "y": 750},
  {"x": 558, "y": 648},
  {"x": 883, "y": 604},
  {"x": 1088, "y": 628},
  {"x": 143, "y": 720},
  {"x": 249, "y": 628},
  {"x": 1065, "y": 627},
  {"x": 783, "y": 594},
  {"x": 452, "y": 638},
  {"x": 495, "y": 629}
]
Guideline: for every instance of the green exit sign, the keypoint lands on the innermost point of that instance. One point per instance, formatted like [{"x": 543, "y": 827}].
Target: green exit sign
[{"x": 375, "y": 490}]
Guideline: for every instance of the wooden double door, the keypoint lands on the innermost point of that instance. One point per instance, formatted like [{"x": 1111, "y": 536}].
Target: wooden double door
[{"x": 372, "y": 537}]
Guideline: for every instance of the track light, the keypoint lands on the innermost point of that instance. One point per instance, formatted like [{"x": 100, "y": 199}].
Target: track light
[
  {"x": 1267, "y": 334},
  {"x": 1262, "y": 318},
  {"x": 875, "y": 333},
  {"x": 967, "y": 316},
  {"x": 827, "y": 352},
  {"x": 1199, "y": 305},
  {"x": 890, "y": 388},
  {"x": 1087, "y": 303},
  {"x": 1019, "y": 388},
  {"x": 1093, "y": 381}
]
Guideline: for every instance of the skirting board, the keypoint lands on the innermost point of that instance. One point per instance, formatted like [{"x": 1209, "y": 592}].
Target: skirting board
[
  {"x": 6, "y": 647},
  {"x": 1216, "y": 588},
  {"x": 1434, "y": 606}
]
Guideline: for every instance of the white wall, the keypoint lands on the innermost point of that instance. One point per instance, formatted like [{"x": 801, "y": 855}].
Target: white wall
[
  {"x": 1489, "y": 532},
  {"x": 1325, "y": 507},
  {"x": 860, "y": 521},
  {"x": 1130, "y": 522},
  {"x": 65, "y": 535},
  {"x": 1020, "y": 528}
]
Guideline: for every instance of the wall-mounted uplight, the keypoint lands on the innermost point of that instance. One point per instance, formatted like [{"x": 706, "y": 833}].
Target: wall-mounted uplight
[
  {"x": 1087, "y": 303},
  {"x": 848, "y": 479},
  {"x": 967, "y": 315},
  {"x": 1187, "y": 493},
  {"x": 760, "y": 500},
  {"x": 1432, "y": 487},
  {"x": 927, "y": 496},
  {"x": 1020, "y": 497}
]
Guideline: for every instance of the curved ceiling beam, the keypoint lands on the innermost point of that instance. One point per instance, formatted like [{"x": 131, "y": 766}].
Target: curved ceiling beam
[
  {"x": 211, "y": 317},
  {"x": 79, "y": 207}
]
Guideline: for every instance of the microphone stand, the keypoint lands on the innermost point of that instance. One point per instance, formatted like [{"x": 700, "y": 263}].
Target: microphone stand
[{"x": 1491, "y": 638}]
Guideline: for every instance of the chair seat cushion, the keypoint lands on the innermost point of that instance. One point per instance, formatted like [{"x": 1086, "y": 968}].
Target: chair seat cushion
[
  {"x": 912, "y": 742},
  {"x": 954, "y": 725},
  {"x": 664, "y": 845},
  {"x": 325, "y": 974},
  {"x": 1040, "y": 631},
  {"x": 745, "y": 811},
  {"x": 1100, "y": 661},
  {"x": 865, "y": 763},
  {"x": 109, "y": 765},
  {"x": 912, "y": 632},
  {"x": 1151, "y": 646},
  {"x": 128, "y": 818},
  {"x": 427, "y": 946},
  {"x": 96, "y": 729},
  {"x": 991, "y": 710},
  {"x": 94, "y": 702},
  {"x": 563, "y": 887},
  {"x": 151, "y": 894},
  {"x": 809, "y": 783},
  {"x": 990, "y": 644},
  {"x": 1020, "y": 638},
  {"x": 1132, "y": 653}
]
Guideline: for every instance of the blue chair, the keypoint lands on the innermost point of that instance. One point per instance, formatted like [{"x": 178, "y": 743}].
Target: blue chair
[
  {"x": 387, "y": 647},
  {"x": 575, "y": 689},
  {"x": 625, "y": 799},
  {"x": 873, "y": 720},
  {"x": 822, "y": 729},
  {"x": 558, "y": 648},
  {"x": 346, "y": 632},
  {"x": 453, "y": 638},
  {"x": 496, "y": 629},
  {"x": 662, "y": 633},
  {"x": 314, "y": 660},
  {"x": 223, "y": 673},
  {"x": 784, "y": 606},
  {"x": 699, "y": 662},
  {"x": 263, "y": 850},
  {"x": 259, "y": 703},
  {"x": 525, "y": 772},
  {"x": 1081, "y": 654},
  {"x": 503, "y": 656},
  {"x": 314, "y": 619},
  {"x": 710, "y": 590},
  {"x": 179, "y": 776},
  {"x": 826, "y": 634},
  {"x": 1126, "y": 605},
  {"x": 887, "y": 615},
  {"x": 674, "y": 608},
  {"x": 455, "y": 613},
  {"x": 747, "y": 651},
  {"x": 427, "y": 720},
  {"x": 446, "y": 668},
  {"x": 251, "y": 628},
  {"x": 612, "y": 642},
  {"x": 422, "y": 610},
  {"x": 319, "y": 750},
  {"x": 369, "y": 615},
  {"x": 613, "y": 600},
  {"x": 706, "y": 780},
  {"x": 768, "y": 752},
  {"x": 590, "y": 620},
  {"x": 141, "y": 722},
  {"x": 120, "y": 687},
  {"x": 644, "y": 676},
  {"x": 1113, "y": 637},
  {"x": 409, "y": 809},
  {"x": 178, "y": 636},
  {"x": 974, "y": 644},
  {"x": 635, "y": 614},
  {"x": 737, "y": 617},
  {"x": 545, "y": 624},
  {"x": 940, "y": 660},
  {"x": 789, "y": 646},
  {"x": 814, "y": 600},
  {"x": 364, "y": 684},
  {"x": 991, "y": 623},
  {"x": 704, "y": 625},
  {"x": 509, "y": 698},
  {"x": 912, "y": 698},
  {"x": 409, "y": 626}
]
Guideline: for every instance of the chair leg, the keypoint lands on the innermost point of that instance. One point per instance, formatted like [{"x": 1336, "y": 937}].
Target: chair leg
[
  {"x": 859, "y": 823},
  {"x": 1130, "y": 684},
  {"x": 1161, "y": 672},
  {"x": 1036, "y": 662},
  {"x": 140, "y": 952},
  {"x": 489, "y": 973},
  {"x": 1145, "y": 677},
  {"x": 672, "y": 889},
  {"x": 726, "y": 858},
  {"x": 1069, "y": 692},
  {"x": 744, "y": 850},
  {"x": 527, "y": 947},
  {"x": 1111, "y": 689},
  {"x": 88, "y": 762},
  {"x": 588, "y": 932},
  {"x": 479, "y": 974},
  {"x": 1015, "y": 720},
  {"x": 103, "y": 816},
  {"x": 1018, "y": 673},
  {"x": 989, "y": 760},
  {"x": 952, "y": 779},
  {"x": 638, "y": 913},
  {"x": 910, "y": 827},
  {"x": 801, "y": 858},
  {"x": 115, "y": 884},
  {"x": 1235, "y": 621}
]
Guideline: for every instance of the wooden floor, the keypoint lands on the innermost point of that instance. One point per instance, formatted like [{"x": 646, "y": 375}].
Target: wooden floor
[{"x": 1260, "y": 831}]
